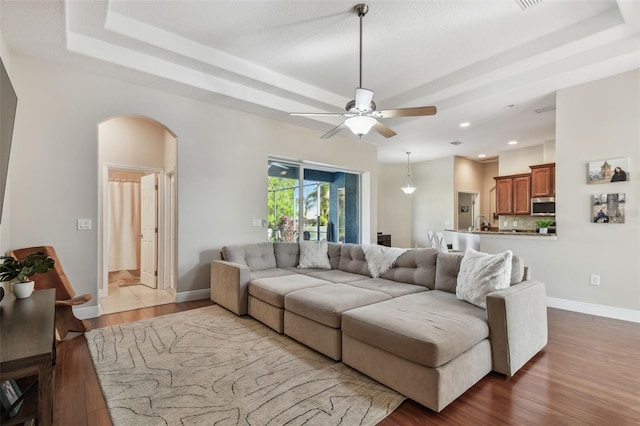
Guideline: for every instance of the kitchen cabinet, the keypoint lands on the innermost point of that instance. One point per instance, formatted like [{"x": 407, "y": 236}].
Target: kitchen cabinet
[
  {"x": 513, "y": 194},
  {"x": 543, "y": 180}
]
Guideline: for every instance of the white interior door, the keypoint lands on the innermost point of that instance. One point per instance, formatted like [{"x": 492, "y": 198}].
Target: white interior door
[{"x": 149, "y": 227}]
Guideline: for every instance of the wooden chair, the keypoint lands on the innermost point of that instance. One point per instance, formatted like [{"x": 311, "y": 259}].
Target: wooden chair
[{"x": 66, "y": 321}]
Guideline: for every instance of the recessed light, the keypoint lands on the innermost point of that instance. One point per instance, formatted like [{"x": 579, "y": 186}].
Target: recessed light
[
  {"x": 482, "y": 155},
  {"x": 512, "y": 142},
  {"x": 465, "y": 124},
  {"x": 510, "y": 106}
]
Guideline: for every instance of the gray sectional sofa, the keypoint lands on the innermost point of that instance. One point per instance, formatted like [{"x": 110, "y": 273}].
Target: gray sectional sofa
[{"x": 405, "y": 328}]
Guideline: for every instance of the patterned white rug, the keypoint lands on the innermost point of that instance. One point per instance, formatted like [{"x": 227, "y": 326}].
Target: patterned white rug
[{"x": 208, "y": 366}]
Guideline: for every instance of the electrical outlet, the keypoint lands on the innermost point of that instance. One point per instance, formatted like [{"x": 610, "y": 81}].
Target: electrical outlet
[
  {"x": 84, "y": 224},
  {"x": 595, "y": 279},
  {"x": 256, "y": 222},
  {"x": 506, "y": 223},
  {"x": 515, "y": 223}
]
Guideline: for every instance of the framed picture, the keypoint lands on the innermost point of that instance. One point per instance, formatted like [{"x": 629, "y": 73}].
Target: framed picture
[
  {"x": 607, "y": 208},
  {"x": 606, "y": 171},
  {"x": 464, "y": 209},
  {"x": 9, "y": 393}
]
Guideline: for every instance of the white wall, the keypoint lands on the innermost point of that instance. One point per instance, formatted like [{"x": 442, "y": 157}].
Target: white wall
[
  {"x": 583, "y": 134},
  {"x": 222, "y": 160},
  {"x": 433, "y": 200},
  {"x": 395, "y": 207},
  {"x": 515, "y": 161}
]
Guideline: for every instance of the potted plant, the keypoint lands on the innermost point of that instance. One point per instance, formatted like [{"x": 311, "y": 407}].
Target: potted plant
[
  {"x": 22, "y": 270},
  {"x": 543, "y": 225}
]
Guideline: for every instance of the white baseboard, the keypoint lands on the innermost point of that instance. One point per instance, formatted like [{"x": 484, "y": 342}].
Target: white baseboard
[
  {"x": 189, "y": 296},
  {"x": 593, "y": 309},
  {"x": 87, "y": 312}
]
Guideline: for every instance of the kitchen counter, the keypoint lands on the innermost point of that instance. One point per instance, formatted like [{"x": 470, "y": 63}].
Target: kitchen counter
[
  {"x": 460, "y": 239},
  {"x": 517, "y": 233}
]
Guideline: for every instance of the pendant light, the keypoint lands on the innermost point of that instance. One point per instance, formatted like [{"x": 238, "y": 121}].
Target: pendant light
[{"x": 408, "y": 187}]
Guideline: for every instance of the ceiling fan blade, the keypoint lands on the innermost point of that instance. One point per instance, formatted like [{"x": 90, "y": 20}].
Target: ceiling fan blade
[
  {"x": 332, "y": 131},
  {"x": 383, "y": 130},
  {"x": 407, "y": 112},
  {"x": 317, "y": 114},
  {"x": 363, "y": 99}
]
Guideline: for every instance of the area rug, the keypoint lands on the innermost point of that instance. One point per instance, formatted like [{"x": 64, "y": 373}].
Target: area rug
[{"x": 208, "y": 366}]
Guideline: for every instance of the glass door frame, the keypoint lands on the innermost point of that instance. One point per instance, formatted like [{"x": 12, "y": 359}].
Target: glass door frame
[{"x": 302, "y": 166}]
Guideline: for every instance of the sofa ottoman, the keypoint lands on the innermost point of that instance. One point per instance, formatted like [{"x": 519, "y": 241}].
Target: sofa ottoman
[
  {"x": 314, "y": 316},
  {"x": 266, "y": 297},
  {"x": 432, "y": 345}
]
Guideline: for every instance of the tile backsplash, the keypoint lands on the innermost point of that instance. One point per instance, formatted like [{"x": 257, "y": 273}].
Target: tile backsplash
[{"x": 524, "y": 223}]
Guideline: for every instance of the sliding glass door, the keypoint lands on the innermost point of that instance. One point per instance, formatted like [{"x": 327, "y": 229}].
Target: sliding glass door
[{"x": 307, "y": 202}]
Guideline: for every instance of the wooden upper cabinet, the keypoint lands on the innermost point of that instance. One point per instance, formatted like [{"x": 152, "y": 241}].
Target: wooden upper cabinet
[
  {"x": 504, "y": 195},
  {"x": 543, "y": 180},
  {"x": 513, "y": 194},
  {"x": 522, "y": 194}
]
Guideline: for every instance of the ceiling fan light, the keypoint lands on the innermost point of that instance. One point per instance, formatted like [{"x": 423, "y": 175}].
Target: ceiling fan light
[{"x": 360, "y": 125}]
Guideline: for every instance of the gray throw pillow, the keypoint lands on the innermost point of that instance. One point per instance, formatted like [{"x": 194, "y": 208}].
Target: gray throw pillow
[{"x": 314, "y": 254}]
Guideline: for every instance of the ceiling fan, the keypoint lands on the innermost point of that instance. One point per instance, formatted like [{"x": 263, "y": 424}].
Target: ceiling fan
[{"x": 361, "y": 114}]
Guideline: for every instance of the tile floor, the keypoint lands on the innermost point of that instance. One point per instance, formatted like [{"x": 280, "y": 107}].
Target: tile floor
[{"x": 133, "y": 297}]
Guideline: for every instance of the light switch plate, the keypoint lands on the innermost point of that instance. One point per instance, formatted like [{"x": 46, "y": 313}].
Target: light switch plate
[
  {"x": 256, "y": 222},
  {"x": 84, "y": 224}
]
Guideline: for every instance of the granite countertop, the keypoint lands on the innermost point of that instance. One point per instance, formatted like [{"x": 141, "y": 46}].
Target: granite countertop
[{"x": 505, "y": 232}]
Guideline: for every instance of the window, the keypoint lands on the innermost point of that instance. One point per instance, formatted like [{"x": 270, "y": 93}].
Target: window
[{"x": 312, "y": 203}]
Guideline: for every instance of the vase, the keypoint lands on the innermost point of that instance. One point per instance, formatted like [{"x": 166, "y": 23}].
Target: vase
[{"x": 22, "y": 290}]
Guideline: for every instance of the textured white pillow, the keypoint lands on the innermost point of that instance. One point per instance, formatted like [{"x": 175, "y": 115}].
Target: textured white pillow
[
  {"x": 480, "y": 274},
  {"x": 314, "y": 254}
]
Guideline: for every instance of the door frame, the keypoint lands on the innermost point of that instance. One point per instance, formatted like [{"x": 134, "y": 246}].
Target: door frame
[
  {"x": 103, "y": 247},
  {"x": 171, "y": 231}
]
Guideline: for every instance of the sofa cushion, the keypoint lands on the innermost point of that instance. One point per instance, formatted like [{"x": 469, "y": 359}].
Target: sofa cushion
[
  {"x": 272, "y": 290},
  {"x": 334, "y": 250},
  {"x": 352, "y": 260},
  {"x": 325, "y": 305},
  {"x": 415, "y": 267},
  {"x": 257, "y": 256},
  {"x": 392, "y": 288},
  {"x": 447, "y": 269},
  {"x": 480, "y": 274},
  {"x": 429, "y": 328},
  {"x": 267, "y": 273},
  {"x": 287, "y": 254},
  {"x": 335, "y": 276},
  {"x": 314, "y": 254}
]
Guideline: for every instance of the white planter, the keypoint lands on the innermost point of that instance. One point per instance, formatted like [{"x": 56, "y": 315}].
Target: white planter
[
  {"x": 22, "y": 290},
  {"x": 544, "y": 230}
]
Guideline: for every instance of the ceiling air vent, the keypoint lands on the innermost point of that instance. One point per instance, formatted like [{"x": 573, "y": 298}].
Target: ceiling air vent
[
  {"x": 525, "y": 4},
  {"x": 456, "y": 143},
  {"x": 545, "y": 109}
]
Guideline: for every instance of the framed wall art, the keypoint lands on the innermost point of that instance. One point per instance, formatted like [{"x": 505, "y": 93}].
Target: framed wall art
[
  {"x": 606, "y": 171},
  {"x": 607, "y": 208},
  {"x": 9, "y": 394}
]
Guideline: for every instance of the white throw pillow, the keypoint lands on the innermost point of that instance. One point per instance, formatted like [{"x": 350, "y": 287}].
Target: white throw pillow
[
  {"x": 480, "y": 274},
  {"x": 314, "y": 254}
]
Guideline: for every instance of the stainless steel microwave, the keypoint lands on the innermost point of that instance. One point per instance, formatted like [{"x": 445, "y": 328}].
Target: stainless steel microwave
[{"x": 544, "y": 206}]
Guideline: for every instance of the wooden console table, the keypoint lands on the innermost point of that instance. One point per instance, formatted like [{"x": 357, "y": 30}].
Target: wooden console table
[{"x": 28, "y": 353}]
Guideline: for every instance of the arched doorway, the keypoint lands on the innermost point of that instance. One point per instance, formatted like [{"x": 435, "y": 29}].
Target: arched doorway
[{"x": 137, "y": 219}]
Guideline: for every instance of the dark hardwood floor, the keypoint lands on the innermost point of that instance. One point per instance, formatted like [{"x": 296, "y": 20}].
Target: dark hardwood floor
[{"x": 589, "y": 374}]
